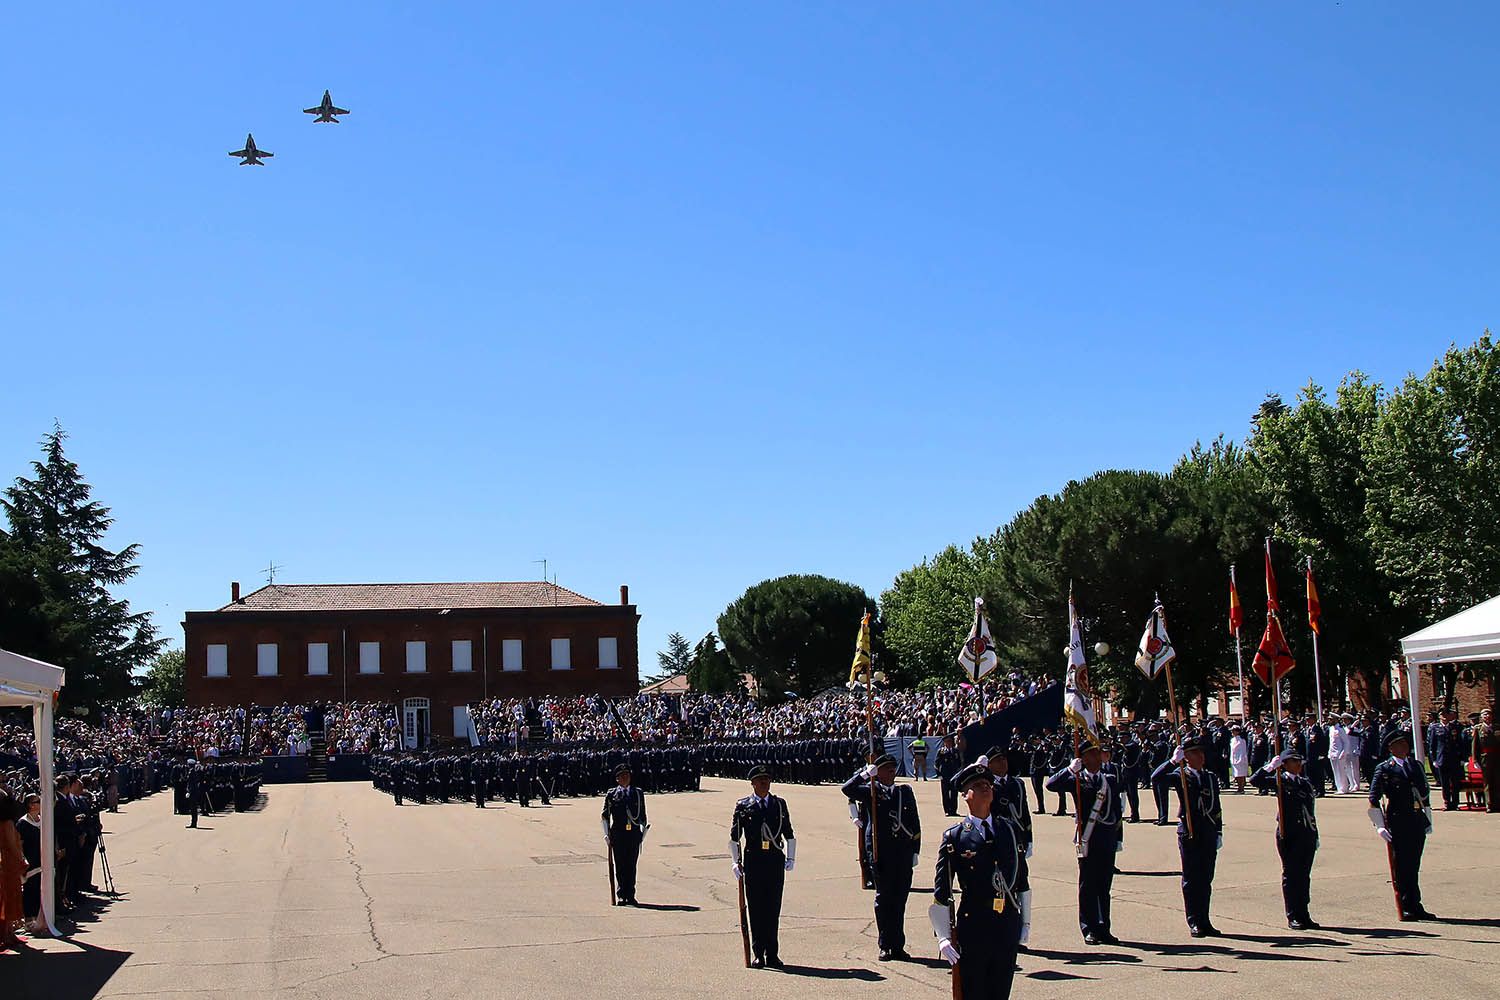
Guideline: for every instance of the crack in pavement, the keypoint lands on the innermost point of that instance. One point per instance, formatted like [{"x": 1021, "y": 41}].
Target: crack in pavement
[{"x": 359, "y": 880}]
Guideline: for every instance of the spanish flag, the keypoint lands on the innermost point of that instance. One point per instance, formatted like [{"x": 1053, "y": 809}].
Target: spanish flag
[
  {"x": 1236, "y": 613},
  {"x": 861, "y": 651},
  {"x": 1273, "y": 658},
  {"x": 1314, "y": 609},
  {"x": 1273, "y": 602}
]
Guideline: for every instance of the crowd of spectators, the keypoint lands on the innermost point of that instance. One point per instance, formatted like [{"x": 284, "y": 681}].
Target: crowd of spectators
[
  {"x": 672, "y": 718},
  {"x": 361, "y": 727}
]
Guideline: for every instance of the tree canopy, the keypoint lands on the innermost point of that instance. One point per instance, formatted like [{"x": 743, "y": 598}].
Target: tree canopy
[{"x": 795, "y": 633}]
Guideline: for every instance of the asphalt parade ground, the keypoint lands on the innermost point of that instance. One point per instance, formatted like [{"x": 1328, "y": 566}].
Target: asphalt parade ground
[{"x": 330, "y": 890}]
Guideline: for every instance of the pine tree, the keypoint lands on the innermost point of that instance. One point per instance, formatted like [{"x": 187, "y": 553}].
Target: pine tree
[{"x": 56, "y": 575}]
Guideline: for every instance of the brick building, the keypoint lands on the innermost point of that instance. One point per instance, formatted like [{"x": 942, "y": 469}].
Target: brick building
[{"x": 429, "y": 648}]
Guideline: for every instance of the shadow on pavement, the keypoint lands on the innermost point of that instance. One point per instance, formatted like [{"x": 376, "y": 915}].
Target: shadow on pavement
[
  {"x": 1173, "y": 874},
  {"x": 669, "y": 907},
  {"x": 1239, "y": 954},
  {"x": 812, "y": 972},
  {"x": 1380, "y": 932},
  {"x": 76, "y": 974},
  {"x": 1087, "y": 957}
]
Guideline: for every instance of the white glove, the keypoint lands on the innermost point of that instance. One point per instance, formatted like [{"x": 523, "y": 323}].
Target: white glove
[
  {"x": 914, "y": 860},
  {"x": 854, "y": 814},
  {"x": 1385, "y": 835},
  {"x": 1076, "y": 767},
  {"x": 869, "y": 771},
  {"x": 604, "y": 823},
  {"x": 1119, "y": 846},
  {"x": 1220, "y": 844},
  {"x": 946, "y": 949},
  {"x": 643, "y": 835},
  {"x": 1030, "y": 848},
  {"x": 1427, "y": 812},
  {"x": 739, "y": 872},
  {"x": 983, "y": 761},
  {"x": 790, "y": 863},
  {"x": 1273, "y": 763},
  {"x": 1178, "y": 756}
]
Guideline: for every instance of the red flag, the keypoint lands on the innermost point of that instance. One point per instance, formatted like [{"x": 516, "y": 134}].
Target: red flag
[
  {"x": 1273, "y": 654},
  {"x": 1314, "y": 609},
  {"x": 1272, "y": 602},
  {"x": 1236, "y": 613}
]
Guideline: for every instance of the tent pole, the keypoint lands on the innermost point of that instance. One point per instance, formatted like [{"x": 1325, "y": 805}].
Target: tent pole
[{"x": 41, "y": 716}]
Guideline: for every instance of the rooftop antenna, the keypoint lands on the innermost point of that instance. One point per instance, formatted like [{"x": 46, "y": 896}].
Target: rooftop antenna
[{"x": 270, "y": 572}]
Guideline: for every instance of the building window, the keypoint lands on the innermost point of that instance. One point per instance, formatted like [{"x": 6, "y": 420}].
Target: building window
[
  {"x": 416, "y": 657},
  {"x": 562, "y": 654},
  {"x": 609, "y": 654},
  {"x": 265, "y": 659},
  {"x": 369, "y": 657},
  {"x": 510, "y": 654},
  {"x": 218, "y": 660},
  {"x": 463, "y": 656},
  {"x": 317, "y": 658}
]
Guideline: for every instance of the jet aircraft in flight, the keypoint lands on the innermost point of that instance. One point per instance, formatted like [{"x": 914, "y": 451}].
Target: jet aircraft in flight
[
  {"x": 325, "y": 111},
  {"x": 251, "y": 155}
]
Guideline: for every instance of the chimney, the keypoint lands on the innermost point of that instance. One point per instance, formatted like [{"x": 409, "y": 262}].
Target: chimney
[
  {"x": 234, "y": 592},
  {"x": 624, "y": 594}
]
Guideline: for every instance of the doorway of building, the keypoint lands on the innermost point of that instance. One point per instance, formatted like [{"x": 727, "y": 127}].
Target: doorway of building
[{"x": 416, "y": 722}]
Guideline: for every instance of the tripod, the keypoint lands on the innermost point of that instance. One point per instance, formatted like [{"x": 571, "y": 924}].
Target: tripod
[{"x": 109, "y": 878}]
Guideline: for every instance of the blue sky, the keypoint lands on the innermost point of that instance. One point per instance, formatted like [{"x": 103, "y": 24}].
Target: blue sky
[{"x": 688, "y": 295}]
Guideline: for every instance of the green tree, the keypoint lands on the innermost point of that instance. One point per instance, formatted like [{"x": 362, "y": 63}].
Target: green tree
[
  {"x": 796, "y": 633},
  {"x": 709, "y": 670},
  {"x": 674, "y": 660},
  {"x": 927, "y": 613},
  {"x": 1433, "y": 503},
  {"x": 1314, "y": 470},
  {"x": 56, "y": 535},
  {"x": 165, "y": 683}
]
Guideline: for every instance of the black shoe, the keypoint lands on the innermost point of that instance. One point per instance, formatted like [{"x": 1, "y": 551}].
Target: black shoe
[
  {"x": 885, "y": 955},
  {"x": 1161, "y": 822},
  {"x": 774, "y": 962},
  {"x": 1424, "y": 914},
  {"x": 1107, "y": 937},
  {"x": 901, "y": 955},
  {"x": 1133, "y": 819},
  {"x": 1211, "y": 930},
  {"x": 1296, "y": 924},
  {"x": 1310, "y": 923},
  {"x": 757, "y": 962},
  {"x": 1092, "y": 938},
  {"x": 1408, "y": 917},
  {"x": 1197, "y": 931}
]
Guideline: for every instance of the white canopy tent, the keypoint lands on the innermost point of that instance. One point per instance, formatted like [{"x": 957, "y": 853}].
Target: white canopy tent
[
  {"x": 1473, "y": 634},
  {"x": 24, "y": 681}
]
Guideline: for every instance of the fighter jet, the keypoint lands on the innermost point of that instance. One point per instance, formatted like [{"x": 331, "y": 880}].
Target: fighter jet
[
  {"x": 325, "y": 111},
  {"x": 252, "y": 156}
]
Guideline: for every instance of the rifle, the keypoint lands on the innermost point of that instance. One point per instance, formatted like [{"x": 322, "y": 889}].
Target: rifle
[
  {"x": 609, "y": 852},
  {"x": 744, "y": 920},
  {"x": 1390, "y": 853},
  {"x": 956, "y": 978}
]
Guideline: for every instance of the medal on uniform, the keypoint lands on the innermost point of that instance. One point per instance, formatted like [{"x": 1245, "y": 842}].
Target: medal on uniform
[{"x": 999, "y": 885}]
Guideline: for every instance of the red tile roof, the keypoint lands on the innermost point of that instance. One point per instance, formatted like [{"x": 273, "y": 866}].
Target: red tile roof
[{"x": 408, "y": 597}]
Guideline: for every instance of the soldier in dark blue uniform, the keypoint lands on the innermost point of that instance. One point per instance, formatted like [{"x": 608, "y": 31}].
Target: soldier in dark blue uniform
[
  {"x": 1450, "y": 755},
  {"x": 1098, "y": 838},
  {"x": 1200, "y": 830},
  {"x": 1401, "y": 814},
  {"x": 1009, "y": 801},
  {"x": 892, "y": 839},
  {"x": 984, "y": 855},
  {"x": 1297, "y": 839},
  {"x": 948, "y": 765},
  {"x": 625, "y": 826},
  {"x": 1132, "y": 756},
  {"x": 769, "y": 851}
]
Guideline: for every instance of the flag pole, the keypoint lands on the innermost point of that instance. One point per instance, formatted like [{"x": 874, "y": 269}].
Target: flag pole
[
  {"x": 1317, "y": 674},
  {"x": 1276, "y": 731},
  {"x": 1187, "y": 806},
  {"x": 870, "y": 721},
  {"x": 1239, "y": 663}
]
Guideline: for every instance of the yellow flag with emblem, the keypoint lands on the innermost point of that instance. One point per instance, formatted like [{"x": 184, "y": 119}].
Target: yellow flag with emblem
[{"x": 861, "y": 651}]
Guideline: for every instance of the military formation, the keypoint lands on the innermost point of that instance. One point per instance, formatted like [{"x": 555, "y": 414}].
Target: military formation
[
  {"x": 214, "y": 786},
  {"x": 982, "y": 888}
]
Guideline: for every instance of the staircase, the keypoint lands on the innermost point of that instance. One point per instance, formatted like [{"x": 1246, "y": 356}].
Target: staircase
[{"x": 317, "y": 758}]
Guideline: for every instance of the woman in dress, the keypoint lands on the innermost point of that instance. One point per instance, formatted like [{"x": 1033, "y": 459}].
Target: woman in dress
[
  {"x": 1239, "y": 758},
  {"x": 12, "y": 870}
]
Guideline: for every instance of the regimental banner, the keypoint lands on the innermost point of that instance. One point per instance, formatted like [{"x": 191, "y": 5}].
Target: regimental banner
[
  {"x": 1078, "y": 697},
  {"x": 1155, "y": 650},
  {"x": 978, "y": 657}
]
